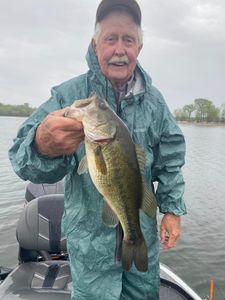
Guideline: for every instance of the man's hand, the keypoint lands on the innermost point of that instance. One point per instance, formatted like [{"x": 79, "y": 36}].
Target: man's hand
[
  {"x": 57, "y": 135},
  {"x": 170, "y": 230}
]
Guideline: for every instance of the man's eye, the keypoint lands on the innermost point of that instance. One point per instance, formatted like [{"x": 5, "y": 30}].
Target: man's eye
[
  {"x": 110, "y": 39},
  {"x": 129, "y": 41}
]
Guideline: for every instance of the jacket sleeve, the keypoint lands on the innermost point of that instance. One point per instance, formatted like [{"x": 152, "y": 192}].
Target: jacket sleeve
[
  {"x": 26, "y": 161},
  {"x": 169, "y": 156}
]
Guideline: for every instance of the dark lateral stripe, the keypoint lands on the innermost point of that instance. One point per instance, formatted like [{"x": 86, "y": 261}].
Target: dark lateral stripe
[
  {"x": 54, "y": 236},
  {"x": 51, "y": 275},
  {"x": 53, "y": 212}
]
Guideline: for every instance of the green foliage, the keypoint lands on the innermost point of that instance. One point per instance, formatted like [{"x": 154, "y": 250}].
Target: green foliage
[
  {"x": 189, "y": 109},
  {"x": 222, "y": 113},
  {"x": 180, "y": 115},
  {"x": 23, "y": 110},
  {"x": 203, "y": 110}
]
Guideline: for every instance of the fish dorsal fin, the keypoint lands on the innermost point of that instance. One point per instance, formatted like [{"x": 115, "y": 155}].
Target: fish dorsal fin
[
  {"x": 109, "y": 218},
  {"x": 100, "y": 161},
  {"x": 83, "y": 166},
  {"x": 149, "y": 203}
]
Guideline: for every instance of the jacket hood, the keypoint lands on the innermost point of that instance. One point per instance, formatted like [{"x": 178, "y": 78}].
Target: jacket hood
[{"x": 93, "y": 64}]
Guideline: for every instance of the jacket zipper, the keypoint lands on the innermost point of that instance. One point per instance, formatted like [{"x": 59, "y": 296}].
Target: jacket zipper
[{"x": 118, "y": 107}]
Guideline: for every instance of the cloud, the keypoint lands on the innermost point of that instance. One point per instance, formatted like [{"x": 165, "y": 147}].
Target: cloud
[
  {"x": 184, "y": 46},
  {"x": 44, "y": 42},
  {"x": 207, "y": 21}
]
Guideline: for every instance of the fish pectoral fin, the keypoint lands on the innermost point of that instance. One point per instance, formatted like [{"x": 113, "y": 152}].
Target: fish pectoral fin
[
  {"x": 100, "y": 161},
  {"x": 109, "y": 218},
  {"x": 83, "y": 166},
  {"x": 149, "y": 203}
]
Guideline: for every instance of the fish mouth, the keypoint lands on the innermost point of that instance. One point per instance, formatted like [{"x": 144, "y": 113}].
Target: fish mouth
[
  {"x": 101, "y": 140},
  {"x": 100, "y": 137}
]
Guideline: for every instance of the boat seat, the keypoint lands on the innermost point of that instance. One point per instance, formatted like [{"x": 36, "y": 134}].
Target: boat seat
[
  {"x": 39, "y": 226},
  {"x": 39, "y": 230}
]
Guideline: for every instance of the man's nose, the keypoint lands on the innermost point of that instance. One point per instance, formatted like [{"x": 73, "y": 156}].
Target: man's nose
[{"x": 120, "y": 48}]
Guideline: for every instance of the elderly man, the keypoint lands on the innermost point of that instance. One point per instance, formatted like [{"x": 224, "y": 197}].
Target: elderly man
[{"x": 48, "y": 147}]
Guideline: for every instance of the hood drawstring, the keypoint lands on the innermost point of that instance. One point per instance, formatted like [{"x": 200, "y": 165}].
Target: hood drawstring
[
  {"x": 118, "y": 102},
  {"x": 106, "y": 89}
]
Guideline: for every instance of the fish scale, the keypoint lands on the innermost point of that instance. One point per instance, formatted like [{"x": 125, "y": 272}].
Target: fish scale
[{"x": 122, "y": 190}]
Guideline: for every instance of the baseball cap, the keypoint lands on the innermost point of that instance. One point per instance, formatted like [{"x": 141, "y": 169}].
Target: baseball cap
[{"x": 106, "y": 6}]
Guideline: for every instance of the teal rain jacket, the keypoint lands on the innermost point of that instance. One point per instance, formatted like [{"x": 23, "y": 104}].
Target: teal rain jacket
[{"x": 91, "y": 244}]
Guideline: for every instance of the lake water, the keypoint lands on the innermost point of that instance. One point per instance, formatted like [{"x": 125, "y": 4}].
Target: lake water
[{"x": 200, "y": 254}]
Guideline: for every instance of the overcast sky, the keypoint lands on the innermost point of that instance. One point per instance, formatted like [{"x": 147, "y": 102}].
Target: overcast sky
[{"x": 44, "y": 42}]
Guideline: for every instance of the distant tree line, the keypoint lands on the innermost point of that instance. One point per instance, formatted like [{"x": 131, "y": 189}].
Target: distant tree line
[
  {"x": 23, "y": 110},
  {"x": 202, "y": 110}
]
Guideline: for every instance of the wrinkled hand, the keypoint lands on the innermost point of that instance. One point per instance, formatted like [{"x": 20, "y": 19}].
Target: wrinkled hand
[
  {"x": 57, "y": 135},
  {"x": 170, "y": 230}
]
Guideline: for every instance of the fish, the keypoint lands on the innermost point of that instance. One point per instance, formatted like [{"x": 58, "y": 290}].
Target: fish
[{"x": 116, "y": 166}]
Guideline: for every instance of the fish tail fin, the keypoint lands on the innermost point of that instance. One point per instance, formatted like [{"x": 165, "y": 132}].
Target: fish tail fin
[{"x": 137, "y": 253}]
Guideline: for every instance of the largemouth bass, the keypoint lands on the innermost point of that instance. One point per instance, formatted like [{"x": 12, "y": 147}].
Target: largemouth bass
[{"x": 116, "y": 167}]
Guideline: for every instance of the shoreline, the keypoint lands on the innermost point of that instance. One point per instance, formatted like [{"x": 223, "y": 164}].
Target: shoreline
[{"x": 205, "y": 124}]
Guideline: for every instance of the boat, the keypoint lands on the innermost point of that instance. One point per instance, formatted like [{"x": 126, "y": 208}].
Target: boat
[{"x": 43, "y": 269}]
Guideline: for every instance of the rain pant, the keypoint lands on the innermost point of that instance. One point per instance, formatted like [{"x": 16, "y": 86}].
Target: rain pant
[{"x": 91, "y": 244}]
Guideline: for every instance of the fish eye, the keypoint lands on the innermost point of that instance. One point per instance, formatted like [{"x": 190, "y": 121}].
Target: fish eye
[{"x": 102, "y": 105}]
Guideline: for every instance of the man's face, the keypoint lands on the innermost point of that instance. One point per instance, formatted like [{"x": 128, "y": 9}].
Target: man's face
[{"x": 117, "y": 47}]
